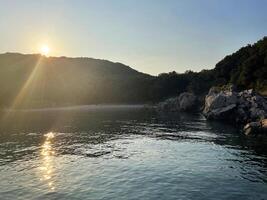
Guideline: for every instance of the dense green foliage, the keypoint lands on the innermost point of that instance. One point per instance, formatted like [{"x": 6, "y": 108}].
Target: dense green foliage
[
  {"x": 246, "y": 68},
  {"x": 37, "y": 81},
  {"x": 171, "y": 84}
]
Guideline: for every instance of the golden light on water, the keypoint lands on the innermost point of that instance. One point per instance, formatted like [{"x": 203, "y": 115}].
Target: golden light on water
[
  {"x": 49, "y": 135},
  {"x": 47, "y": 153}
]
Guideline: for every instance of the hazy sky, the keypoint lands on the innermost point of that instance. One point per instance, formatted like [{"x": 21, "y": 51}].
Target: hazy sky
[{"x": 152, "y": 36}]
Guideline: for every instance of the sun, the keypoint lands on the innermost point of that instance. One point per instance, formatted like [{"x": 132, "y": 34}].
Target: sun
[{"x": 44, "y": 50}]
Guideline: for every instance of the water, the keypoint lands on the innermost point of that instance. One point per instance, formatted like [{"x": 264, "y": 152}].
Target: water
[{"x": 127, "y": 153}]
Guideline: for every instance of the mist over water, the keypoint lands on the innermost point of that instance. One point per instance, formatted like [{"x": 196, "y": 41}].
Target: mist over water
[{"x": 127, "y": 153}]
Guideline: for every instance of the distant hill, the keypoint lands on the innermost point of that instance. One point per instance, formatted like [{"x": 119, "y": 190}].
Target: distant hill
[
  {"x": 35, "y": 80},
  {"x": 38, "y": 81}
]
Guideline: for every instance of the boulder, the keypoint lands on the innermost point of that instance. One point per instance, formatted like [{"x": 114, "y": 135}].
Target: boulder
[
  {"x": 187, "y": 101},
  {"x": 256, "y": 128},
  {"x": 169, "y": 105},
  {"x": 220, "y": 104},
  {"x": 264, "y": 125},
  {"x": 238, "y": 107},
  {"x": 222, "y": 112},
  {"x": 184, "y": 102}
]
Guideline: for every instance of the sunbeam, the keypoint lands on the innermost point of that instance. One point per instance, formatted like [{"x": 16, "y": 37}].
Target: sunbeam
[{"x": 23, "y": 93}]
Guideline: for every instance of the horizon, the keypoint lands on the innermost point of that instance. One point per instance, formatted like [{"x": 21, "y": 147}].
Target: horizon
[
  {"x": 152, "y": 37},
  {"x": 113, "y": 61}
]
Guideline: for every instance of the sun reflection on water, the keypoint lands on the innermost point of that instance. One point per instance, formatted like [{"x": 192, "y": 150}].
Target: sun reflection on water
[{"x": 47, "y": 167}]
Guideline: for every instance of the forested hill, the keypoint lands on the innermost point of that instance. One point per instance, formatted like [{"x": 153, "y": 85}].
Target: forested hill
[
  {"x": 246, "y": 68},
  {"x": 35, "y": 80},
  {"x": 38, "y": 81}
]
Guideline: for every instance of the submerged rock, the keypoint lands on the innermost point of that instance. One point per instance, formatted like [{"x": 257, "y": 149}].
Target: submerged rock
[
  {"x": 184, "y": 102},
  {"x": 255, "y": 128}
]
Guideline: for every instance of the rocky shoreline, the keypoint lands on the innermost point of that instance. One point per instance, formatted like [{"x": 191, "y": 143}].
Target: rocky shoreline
[
  {"x": 243, "y": 108},
  {"x": 184, "y": 102}
]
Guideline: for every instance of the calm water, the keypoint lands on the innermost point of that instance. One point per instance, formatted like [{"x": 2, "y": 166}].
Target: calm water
[{"x": 127, "y": 153}]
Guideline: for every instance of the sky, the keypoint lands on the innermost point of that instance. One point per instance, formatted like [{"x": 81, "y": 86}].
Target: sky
[{"x": 151, "y": 36}]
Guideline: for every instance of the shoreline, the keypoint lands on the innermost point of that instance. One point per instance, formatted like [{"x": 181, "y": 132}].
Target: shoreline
[{"x": 81, "y": 107}]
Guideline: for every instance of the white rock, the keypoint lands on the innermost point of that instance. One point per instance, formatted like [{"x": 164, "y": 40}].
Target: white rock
[{"x": 239, "y": 107}]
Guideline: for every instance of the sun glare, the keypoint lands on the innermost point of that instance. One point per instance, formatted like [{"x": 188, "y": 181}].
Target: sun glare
[{"x": 45, "y": 50}]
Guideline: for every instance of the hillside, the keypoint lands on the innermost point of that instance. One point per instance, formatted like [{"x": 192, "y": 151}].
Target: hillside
[
  {"x": 35, "y": 80},
  {"x": 246, "y": 68}
]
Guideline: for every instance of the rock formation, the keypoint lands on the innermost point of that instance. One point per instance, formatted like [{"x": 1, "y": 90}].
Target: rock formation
[
  {"x": 184, "y": 102},
  {"x": 237, "y": 107},
  {"x": 255, "y": 128}
]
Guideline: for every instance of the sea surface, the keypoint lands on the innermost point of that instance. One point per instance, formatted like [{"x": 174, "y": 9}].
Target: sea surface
[{"x": 122, "y": 152}]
